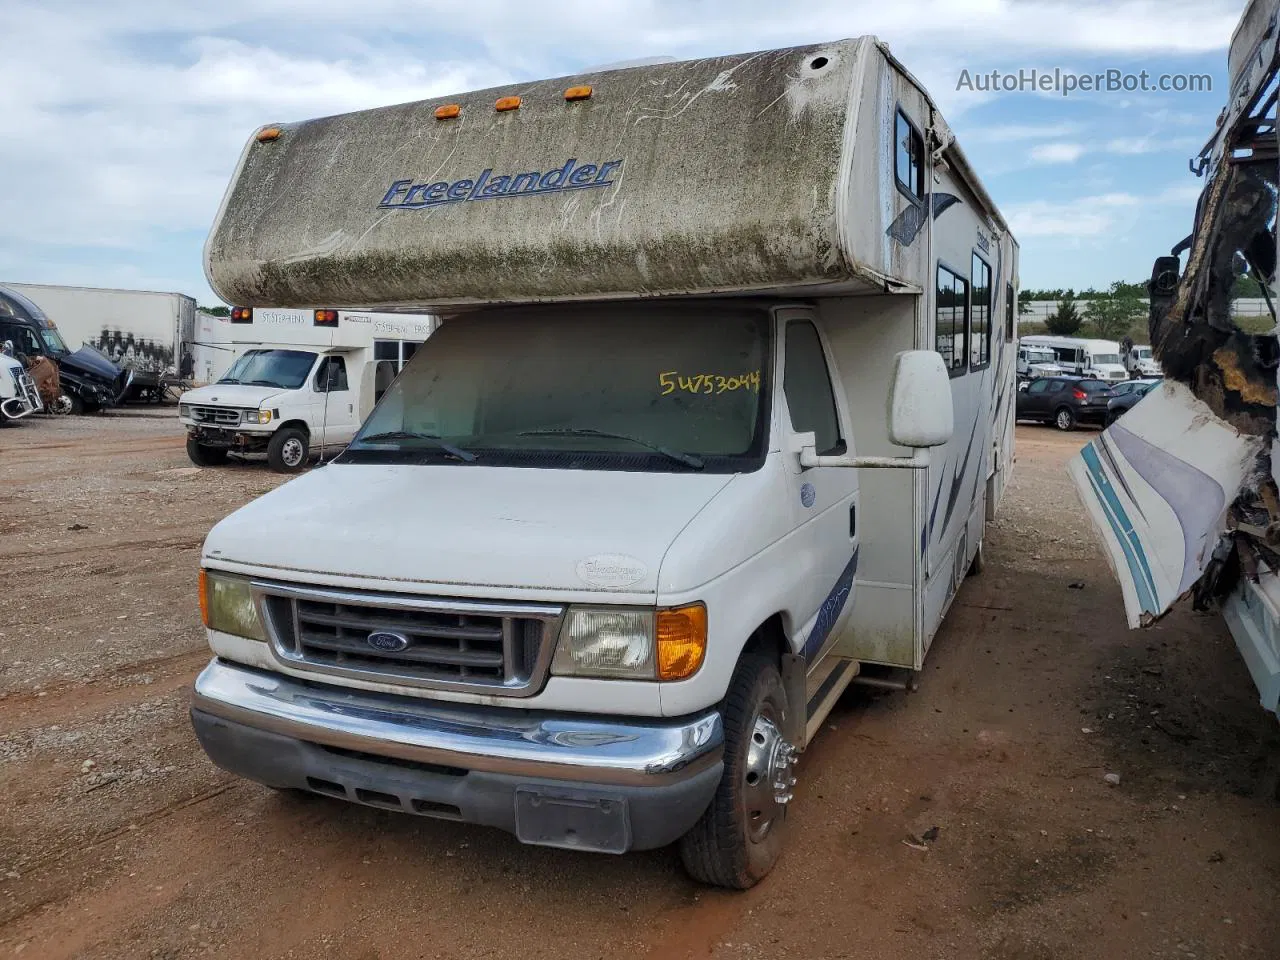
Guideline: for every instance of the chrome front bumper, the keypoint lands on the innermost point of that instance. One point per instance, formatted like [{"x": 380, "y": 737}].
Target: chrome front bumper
[{"x": 552, "y": 779}]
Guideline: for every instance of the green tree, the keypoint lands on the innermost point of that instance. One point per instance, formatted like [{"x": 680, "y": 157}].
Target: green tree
[
  {"x": 216, "y": 311},
  {"x": 1114, "y": 315},
  {"x": 1067, "y": 320}
]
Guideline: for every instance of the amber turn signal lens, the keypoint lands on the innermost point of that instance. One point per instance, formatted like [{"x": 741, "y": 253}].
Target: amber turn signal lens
[
  {"x": 267, "y": 134},
  {"x": 682, "y": 641},
  {"x": 448, "y": 111},
  {"x": 204, "y": 597},
  {"x": 507, "y": 103},
  {"x": 578, "y": 93}
]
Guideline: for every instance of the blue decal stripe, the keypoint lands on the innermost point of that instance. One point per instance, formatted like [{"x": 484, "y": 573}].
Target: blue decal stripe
[
  {"x": 1135, "y": 557},
  {"x": 830, "y": 610}
]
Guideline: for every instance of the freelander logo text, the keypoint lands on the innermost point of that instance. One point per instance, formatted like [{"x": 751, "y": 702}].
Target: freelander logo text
[{"x": 407, "y": 195}]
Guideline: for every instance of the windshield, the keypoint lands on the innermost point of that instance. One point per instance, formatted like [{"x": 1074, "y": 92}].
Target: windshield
[
  {"x": 1106, "y": 358},
  {"x": 634, "y": 387},
  {"x": 1040, "y": 356},
  {"x": 286, "y": 369},
  {"x": 1144, "y": 353},
  {"x": 53, "y": 342}
]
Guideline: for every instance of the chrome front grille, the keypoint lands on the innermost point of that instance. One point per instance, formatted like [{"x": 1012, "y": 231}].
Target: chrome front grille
[
  {"x": 218, "y": 415},
  {"x": 27, "y": 390},
  {"x": 501, "y": 649}
]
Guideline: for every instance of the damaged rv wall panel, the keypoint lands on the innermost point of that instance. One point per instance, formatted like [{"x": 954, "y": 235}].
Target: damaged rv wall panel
[{"x": 1157, "y": 486}]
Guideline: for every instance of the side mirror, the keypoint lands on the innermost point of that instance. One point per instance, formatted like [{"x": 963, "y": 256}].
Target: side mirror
[{"x": 920, "y": 411}]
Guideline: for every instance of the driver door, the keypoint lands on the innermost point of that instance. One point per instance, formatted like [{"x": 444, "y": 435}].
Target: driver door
[{"x": 336, "y": 410}]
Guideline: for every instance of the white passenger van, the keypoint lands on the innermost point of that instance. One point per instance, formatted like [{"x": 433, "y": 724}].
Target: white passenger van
[
  {"x": 300, "y": 383},
  {"x": 1099, "y": 359},
  {"x": 721, "y": 401}
]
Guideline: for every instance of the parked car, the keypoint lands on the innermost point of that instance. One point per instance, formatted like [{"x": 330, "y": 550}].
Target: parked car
[
  {"x": 1065, "y": 401},
  {"x": 1127, "y": 396}
]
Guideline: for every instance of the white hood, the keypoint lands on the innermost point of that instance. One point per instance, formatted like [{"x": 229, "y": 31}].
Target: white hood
[
  {"x": 231, "y": 395},
  {"x": 457, "y": 526}
]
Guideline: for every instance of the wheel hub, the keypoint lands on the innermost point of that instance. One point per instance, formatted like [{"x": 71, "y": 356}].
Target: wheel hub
[
  {"x": 292, "y": 452},
  {"x": 769, "y": 776}
]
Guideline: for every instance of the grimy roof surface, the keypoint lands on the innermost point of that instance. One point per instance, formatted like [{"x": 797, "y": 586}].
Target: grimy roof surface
[{"x": 703, "y": 176}]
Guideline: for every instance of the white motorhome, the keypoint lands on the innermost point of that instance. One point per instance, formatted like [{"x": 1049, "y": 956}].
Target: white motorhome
[
  {"x": 1099, "y": 359},
  {"x": 720, "y": 404},
  {"x": 300, "y": 383},
  {"x": 1183, "y": 490}
]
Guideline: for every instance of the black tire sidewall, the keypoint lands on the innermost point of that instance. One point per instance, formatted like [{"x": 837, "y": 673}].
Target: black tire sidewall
[
  {"x": 1070, "y": 414},
  {"x": 718, "y": 849},
  {"x": 275, "y": 449}
]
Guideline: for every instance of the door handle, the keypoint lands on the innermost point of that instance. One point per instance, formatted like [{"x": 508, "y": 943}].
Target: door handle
[{"x": 853, "y": 520}]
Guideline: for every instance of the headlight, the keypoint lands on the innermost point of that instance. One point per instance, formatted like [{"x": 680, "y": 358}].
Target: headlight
[
  {"x": 226, "y": 605},
  {"x": 184, "y": 410},
  {"x": 632, "y": 644},
  {"x": 257, "y": 416}
]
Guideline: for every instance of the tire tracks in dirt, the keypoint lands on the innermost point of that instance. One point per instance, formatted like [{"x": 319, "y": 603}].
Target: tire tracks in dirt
[{"x": 79, "y": 700}]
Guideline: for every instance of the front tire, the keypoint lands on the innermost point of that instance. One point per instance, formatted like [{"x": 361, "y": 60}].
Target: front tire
[
  {"x": 739, "y": 837},
  {"x": 1064, "y": 419},
  {"x": 204, "y": 456},
  {"x": 288, "y": 449}
]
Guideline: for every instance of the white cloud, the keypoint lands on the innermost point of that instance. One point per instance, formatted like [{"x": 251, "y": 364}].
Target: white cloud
[
  {"x": 1095, "y": 215},
  {"x": 120, "y": 122},
  {"x": 1135, "y": 146},
  {"x": 1057, "y": 153}
]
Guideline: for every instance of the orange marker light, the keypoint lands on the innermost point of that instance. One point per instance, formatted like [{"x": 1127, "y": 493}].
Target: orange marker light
[
  {"x": 326, "y": 318},
  {"x": 267, "y": 134},
  {"x": 682, "y": 641},
  {"x": 448, "y": 111},
  {"x": 204, "y": 597},
  {"x": 507, "y": 103},
  {"x": 242, "y": 314},
  {"x": 578, "y": 93}
]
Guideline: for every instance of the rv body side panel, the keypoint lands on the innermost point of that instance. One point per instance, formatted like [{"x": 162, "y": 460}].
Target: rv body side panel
[
  {"x": 866, "y": 333},
  {"x": 968, "y": 247}
]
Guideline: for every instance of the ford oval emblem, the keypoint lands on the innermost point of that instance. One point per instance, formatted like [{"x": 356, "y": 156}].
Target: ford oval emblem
[
  {"x": 384, "y": 640},
  {"x": 808, "y": 495}
]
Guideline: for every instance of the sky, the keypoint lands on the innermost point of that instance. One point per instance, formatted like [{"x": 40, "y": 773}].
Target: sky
[{"x": 122, "y": 121}]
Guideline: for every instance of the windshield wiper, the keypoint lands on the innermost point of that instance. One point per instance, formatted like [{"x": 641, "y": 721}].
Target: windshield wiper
[
  {"x": 688, "y": 459},
  {"x": 263, "y": 383},
  {"x": 448, "y": 448}
]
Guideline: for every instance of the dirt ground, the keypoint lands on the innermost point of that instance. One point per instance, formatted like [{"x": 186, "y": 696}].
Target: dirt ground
[{"x": 119, "y": 839}]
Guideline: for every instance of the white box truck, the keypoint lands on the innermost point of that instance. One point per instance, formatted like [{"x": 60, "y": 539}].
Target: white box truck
[
  {"x": 1097, "y": 359},
  {"x": 296, "y": 382},
  {"x": 719, "y": 406},
  {"x": 146, "y": 332}
]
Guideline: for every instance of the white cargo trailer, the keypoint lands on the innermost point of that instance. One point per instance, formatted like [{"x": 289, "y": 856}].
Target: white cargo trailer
[
  {"x": 720, "y": 405},
  {"x": 147, "y": 332}
]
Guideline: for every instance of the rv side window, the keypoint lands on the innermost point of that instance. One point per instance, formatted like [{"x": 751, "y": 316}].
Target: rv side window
[
  {"x": 334, "y": 371},
  {"x": 807, "y": 385},
  {"x": 909, "y": 158},
  {"x": 1010, "y": 298},
  {"x": 953, "y": 315},
  {"x": 981, "y": 338}
]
